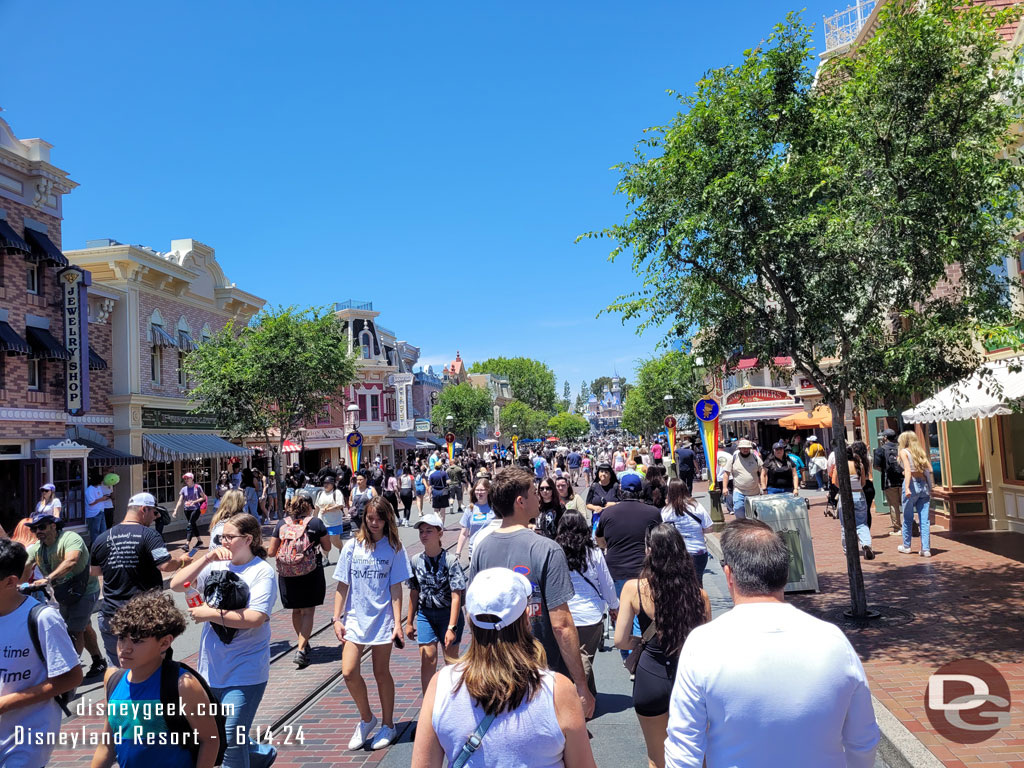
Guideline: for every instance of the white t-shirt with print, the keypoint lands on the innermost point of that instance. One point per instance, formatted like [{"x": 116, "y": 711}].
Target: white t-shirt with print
[
  {"x": 246, "y": 659},
  {"x": 22, "y": 668},
  {"x": 335, "y": 517},
  {"x": 370, "y": 574}
]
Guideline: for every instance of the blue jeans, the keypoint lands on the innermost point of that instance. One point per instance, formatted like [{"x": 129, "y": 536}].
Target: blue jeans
[
  {"x": 96, "y": 525},
  {"x": 739, "y": 507},
  {"x": 239, "y": 704},
  {"x": 860, "y": 517},
  {"x": 619, "y": 584},
  {"x": 773, "y": 491},
  {"x": 819, "y": 478},
  {"x": 918, "y": 502},
  {"x": 700, "y": 564}
]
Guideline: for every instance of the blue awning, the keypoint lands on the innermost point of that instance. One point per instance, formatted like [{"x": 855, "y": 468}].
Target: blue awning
[
  {"x": 161, "y": 338},
  {"x": 43, "y": 248},
  {"x": 405, "y": 443},
  {"x": 96, "y": 363},
  {"x": 11, "y": 342},
  {"x": 104, "y": 456},
  {"x": 170, "y": 447},
  {"x": 9, "y": 240},
  {"x": 44, "y": 346}
]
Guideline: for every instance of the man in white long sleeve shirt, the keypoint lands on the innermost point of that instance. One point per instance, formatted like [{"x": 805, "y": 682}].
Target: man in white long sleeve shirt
[{"x": 766, "y": 684}]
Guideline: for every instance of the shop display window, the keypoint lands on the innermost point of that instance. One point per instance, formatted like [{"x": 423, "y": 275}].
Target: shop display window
[
  {"x": 158, "y": 479},
  {"x": 933, "y": 446},
  {"x": 1012, "y": 429},
  {"x": 67, "y": 477},
  {"x": 964, "y": 465},
  {"x": 203, "y": 470}
]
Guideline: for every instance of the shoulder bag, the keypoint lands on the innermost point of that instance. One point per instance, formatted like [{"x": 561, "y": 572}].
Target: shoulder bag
[
  {"x": 633, "y": 660},
  {"x": 473, "y": 742}
]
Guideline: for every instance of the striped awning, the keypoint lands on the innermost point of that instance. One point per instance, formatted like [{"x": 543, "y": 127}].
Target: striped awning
[
  {"x": 96, "y": 363},
  {"x": 11, "y": 343},
  {"x": 161, "y": 338},
  {"x": 44, "y": 346},
  {"x": 102, "y": 456},
  {"x": 43, "y": 249},
  {"x": 172, "y": 447},
  {"x": 10, "y": 241},
  {"x": 186, "y": 343}
]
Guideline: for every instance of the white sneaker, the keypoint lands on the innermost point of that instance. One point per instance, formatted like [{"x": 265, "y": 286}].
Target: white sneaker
[
  {"x": 384, "y": 737},
  {"x": 362, "y": 734}
]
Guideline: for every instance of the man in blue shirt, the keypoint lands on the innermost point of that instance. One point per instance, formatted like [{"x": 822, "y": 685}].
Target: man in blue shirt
[
  {"x": 686, "y": 464},
  {"x": 573, "y": 462}
]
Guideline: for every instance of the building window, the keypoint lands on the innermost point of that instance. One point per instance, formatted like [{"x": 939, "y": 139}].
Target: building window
[
  {"x": 203, "y": 470},
  {"x": 67, "y": 476},
  {"x": 1012, "y": 429},
  {"x": 33, "y": 283},
  {"x": 182, "y": 352},
  {"x": 158, "y": 479},
  {"x": 366, "y": 342},
  {"x": 964, "y": 464},
  {"x": 374, "y": 407},
  {"x": 154, "y": 364},
  {"x": 362, "y": 408},
  {"x": 35, "y": 373}
]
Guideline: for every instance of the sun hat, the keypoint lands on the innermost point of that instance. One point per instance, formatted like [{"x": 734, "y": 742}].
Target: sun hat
[
  {"x": 744, "y": 444},
  {"x": 500, "y": 593},
  {"x": 430, "y": 519}
]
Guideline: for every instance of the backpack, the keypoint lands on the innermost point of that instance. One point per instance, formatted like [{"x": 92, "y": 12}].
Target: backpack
[
  {"x": 33, "y": 632},
  {"x": 177, "y": 723},
  {"x": 297, "y": 555},
  {"x": 893, "y": 470}
]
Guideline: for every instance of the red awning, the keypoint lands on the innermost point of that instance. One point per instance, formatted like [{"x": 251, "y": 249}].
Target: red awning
[
  {"x": 746, "y": 363},
  {"x": 552, "y": 439},
  {"x": 290, "y": 447}
]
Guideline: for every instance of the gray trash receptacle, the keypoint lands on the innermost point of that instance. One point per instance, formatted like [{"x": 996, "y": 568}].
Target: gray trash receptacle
[{"x": 790, "y": 516}]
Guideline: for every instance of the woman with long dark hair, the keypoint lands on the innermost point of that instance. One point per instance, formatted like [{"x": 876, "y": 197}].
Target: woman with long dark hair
[
  {"x": 603, "y": 492},
  {"x": 861, "y": 449},
  {"x": 551, "y": 509},
  {"x": 668, "y": 596},
  {"x": 859, "y": 469},
  {"x": 537, "y": 717},
  {"x": 592, "y": 581},
  {"x": 691, "y": 520}
]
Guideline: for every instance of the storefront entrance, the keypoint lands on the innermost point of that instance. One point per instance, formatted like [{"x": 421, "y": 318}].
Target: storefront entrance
[{"x": 20, "y": 481}]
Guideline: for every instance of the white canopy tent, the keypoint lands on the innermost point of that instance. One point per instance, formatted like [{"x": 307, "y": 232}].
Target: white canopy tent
[{"x": 990, "y": 391}]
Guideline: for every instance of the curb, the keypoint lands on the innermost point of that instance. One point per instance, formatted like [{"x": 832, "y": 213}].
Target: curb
[{"x": 898, "y": 746}]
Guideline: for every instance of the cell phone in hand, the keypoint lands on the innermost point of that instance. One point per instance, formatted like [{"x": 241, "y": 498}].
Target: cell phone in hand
[
  {"x": 192, "y": 552},
  {"x": 399, "y": 643}
]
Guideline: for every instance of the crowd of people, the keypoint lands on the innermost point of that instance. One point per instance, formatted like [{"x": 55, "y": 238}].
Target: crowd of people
[{"x": 554, "y": 548}]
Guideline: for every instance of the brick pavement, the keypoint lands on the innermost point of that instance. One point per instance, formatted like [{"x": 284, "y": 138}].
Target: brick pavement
[
  {"x": 966, "y": 602},
  {"x": 330, "y": 722}
]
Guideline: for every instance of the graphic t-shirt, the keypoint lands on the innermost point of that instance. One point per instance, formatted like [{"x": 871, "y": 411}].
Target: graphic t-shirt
[
  {"x": 370, "y": 574},
  {"x": 246, "y": 659},
  {"x": 624, "y": 529},
  {"x": 475, "y": 518},
  {"x": 22, "y": 668},
  {"x": 435, "y": 578},
  {"x": 129, "y": 554},
  {"x": 541, "y": 561},
  {"x": 48, "y": 558},
  {"x": 137, "y": 722}
]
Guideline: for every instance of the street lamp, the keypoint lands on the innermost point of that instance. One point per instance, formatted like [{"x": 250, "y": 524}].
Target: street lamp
[
  {"x": 353, "y": 415},
  {"x": 302, "y": 448}
]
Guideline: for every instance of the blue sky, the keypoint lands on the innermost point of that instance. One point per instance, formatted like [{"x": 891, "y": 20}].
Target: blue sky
[{"x": 436, "y": 158}]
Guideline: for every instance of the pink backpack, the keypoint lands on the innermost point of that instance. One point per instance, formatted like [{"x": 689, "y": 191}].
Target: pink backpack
[{"x": 297, "y": 555}]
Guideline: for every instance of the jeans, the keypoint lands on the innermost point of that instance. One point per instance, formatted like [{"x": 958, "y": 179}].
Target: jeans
[
  {"x": 700, "y": 564},
  {"x": 819, "y": 478},
  {"x": 739, "y": 506},
  {"x": 619, "y": 584},
  {"x": 240, "y": 703},
  {"x": 920, "y": 498},
  {"x": 860, "y": 517},
  {"x": 773, "y": 491},
  {"x": 109, "y": 640},
  {"x": 96, "y": 524}
]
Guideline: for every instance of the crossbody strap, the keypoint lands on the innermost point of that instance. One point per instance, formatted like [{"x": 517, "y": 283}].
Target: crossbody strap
[{"x": 473, "y": 742}]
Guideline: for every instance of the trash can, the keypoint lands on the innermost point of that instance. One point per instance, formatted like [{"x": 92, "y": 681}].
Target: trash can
[
  {"x": 790, "y": 516},
  {"x": 716, "y": 505}
]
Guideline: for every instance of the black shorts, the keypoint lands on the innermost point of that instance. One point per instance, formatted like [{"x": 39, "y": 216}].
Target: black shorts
[{"x": 440, "y": 501}]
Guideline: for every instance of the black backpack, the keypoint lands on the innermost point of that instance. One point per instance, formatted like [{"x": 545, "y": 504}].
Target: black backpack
[
  {"x": 33, "y": 632},
  {"x": 177, "y": 723},
  {"x": 893, "y": 470}
]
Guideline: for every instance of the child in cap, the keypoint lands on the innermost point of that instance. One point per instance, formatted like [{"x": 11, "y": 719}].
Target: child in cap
[{"x": 436, "y": 592}]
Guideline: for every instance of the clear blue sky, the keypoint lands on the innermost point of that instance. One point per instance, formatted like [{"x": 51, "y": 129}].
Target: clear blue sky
[{"x": 435, "y": 158}]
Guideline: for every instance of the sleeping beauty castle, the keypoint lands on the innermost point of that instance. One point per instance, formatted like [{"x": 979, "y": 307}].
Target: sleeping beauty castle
[{"x": 605, "y": 412}]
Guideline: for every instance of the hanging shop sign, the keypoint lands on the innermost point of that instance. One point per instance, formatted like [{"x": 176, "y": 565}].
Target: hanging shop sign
[{"x": 74, "y": 282}]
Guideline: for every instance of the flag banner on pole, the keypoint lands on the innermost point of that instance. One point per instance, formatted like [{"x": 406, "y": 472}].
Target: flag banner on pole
[
  {"x": 707, "y": 411},
  {"x": 355, "y": 450},
  {"x": 670, "y": 435},
  {"x": 450, "y": 440},
  {"x": 515, "y": 446}
]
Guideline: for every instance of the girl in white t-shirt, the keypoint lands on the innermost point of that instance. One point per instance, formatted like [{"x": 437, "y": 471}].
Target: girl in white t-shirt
[
  {"x": 330, "y": 507},
  {"x": 368, "y": 611},
  {"x": 48, "y": 501}
]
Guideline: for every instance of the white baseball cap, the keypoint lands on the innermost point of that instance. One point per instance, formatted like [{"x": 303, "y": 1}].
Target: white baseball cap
[
  {"x": 142, "y": 500},
  {"x": 498, "y": 592},
  {"x": 188, "y": 475},
  {"x": 430, "y": 519}
]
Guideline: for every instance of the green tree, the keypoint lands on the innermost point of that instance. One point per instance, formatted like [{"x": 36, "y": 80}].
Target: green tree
[
  {"x": 669, "y": 374},
  {"x": 469, "y": 407},
  {"x": 819, "y": 222},
  {"x": 567, "y": 395},
  {"x": 520, "y": 419},
  {"x": 569, "y": 426},
  {"x": 272, "y": 376},
  {"x": 531, "y": 380}
]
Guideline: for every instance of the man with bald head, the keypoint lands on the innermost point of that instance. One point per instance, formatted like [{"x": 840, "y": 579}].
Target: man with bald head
[{"x": 766, "y": 684}]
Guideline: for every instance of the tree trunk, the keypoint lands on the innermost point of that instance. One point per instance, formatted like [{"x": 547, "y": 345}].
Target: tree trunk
[{"x": 858, "y": 595}]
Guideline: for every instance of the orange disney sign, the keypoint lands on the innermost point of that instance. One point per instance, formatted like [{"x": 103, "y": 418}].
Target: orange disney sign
[{"x": 756, "y": 395}]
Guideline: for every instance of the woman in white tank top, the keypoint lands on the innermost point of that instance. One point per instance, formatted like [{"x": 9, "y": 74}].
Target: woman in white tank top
[{"x": 538, "y": 718}]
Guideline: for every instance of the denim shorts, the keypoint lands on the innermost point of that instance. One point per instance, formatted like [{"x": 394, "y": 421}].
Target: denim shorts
[{"x": 432, "y": 625}]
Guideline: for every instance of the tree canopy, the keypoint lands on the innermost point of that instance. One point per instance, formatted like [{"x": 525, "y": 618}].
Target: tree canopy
[
  {"x": 669, "y": 374},
  {"x": 860, "y": 227},
  {"x": 532, "y": 381},
  {"x": 569, "y": 426},
  {"x": 470, "y": 407},
  {"x": 518, "y": 418}
]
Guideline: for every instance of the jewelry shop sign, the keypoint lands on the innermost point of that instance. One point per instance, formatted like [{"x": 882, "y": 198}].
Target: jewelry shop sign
[{"x": 74, "y": 282}]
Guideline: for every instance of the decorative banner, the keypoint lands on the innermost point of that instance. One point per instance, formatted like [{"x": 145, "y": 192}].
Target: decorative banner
[
  {"x": 497, "y": 433},
  {"x": 670, "y": 433},
  {"x": 515, "y": 446},
  {"x": 355, "y": 450},
  {"x": 74, "y": 282},
  {"x": 402, "y": 382},
  {"x": 450, "y": 439},
  {"x": 707, "y": 411}
]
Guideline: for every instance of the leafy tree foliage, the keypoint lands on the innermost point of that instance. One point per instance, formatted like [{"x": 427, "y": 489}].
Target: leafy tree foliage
[
  {"x": 860, "y": 227},
  {"x": 520, "y": 419},
  {"x": 531, "y": 380},
  {"x": 569, "y": 426},
  {"x": 670, "y": 374},
  {"x": 468, "y": 406}
]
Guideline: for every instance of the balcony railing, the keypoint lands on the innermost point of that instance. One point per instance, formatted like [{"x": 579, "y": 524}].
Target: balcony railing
[
  {"x": 363, "y": 305},
  {"x": 841, "y": 28}
]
